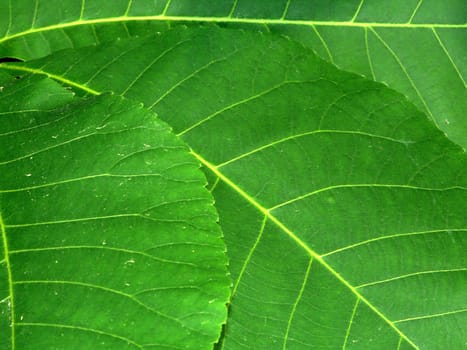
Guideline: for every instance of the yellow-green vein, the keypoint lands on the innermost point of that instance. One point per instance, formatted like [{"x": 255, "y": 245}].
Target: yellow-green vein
[
  {"x": 232, "y": 9},
  {"x": 149, "y": 66},
  {"x": 357, "y": 11},
  {"x": 448, "y": 55},
  {"x": 190, "y": 76},
  {"x": 409, "y": 275},
  {"x": 347, "y": 333},
  {"x": 50, "y": 75},
  {"x": 6, "y": 252},
  {"x": 34, "y": 16},
  {"x": 297, "y": 300},
  {"x": 414, "y": 12},
  {"x": 250, "y": 253},
  {"x": 323, "y": 42},
  {"x": 131, "y": 297},
  {"x": 406, "y": 73},
  {"x": 404, "y": 234},
  {"x": 84, "y": 329},
  {"x": 375, "y": 185},
  {"x": 286, "y": 9},
  {"x": 127, "y": 11},
  {"x": 442, "y": 314},
  {"x": 367, "y": 49},
  {"x": 399, "y": 343},
  {"x": 310, "y": 133},
  {"x": 166, "y": 7}
]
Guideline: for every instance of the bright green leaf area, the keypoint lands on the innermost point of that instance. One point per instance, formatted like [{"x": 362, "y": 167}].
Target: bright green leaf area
[
  {"x": 414, "y": 46},
  {"x": 342, "y": 205},
  {"x": 108, "y": 236}
]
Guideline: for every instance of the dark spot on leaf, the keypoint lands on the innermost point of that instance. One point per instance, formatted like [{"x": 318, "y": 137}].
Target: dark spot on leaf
[{"x": 10, "y": 59}]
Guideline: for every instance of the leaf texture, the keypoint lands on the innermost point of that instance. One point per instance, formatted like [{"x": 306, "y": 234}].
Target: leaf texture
[
  {"x": 416, "y": 46},
  {"x": 109, "y": 238},
  {"x": 342, "y": 205}
]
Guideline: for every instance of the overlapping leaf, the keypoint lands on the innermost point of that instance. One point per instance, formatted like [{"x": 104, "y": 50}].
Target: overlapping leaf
[
  {"x": 343, "y": 207},
  {"x": 417, "y": 47},
  {"x": 109, "y": 238}
]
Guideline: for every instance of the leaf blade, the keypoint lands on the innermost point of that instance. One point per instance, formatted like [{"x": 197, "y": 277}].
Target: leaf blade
[
  {"x": 91, "y": 257},
  {"x": 315, "y": 23},
  {"x": 329, "y": 126}
]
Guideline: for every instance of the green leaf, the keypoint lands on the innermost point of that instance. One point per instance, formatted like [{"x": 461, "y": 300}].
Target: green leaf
[
  {"x": 415, "y": 46},
  {"x": 109, "y": 238},
  {"x": 342, "y": 205}
]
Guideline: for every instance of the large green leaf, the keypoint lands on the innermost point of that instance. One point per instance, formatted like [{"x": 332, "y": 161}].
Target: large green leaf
[
  {"x": 342, "y": 205},
  {"x": 109, "y": 238},
  {"x": 415, "y": 46}
]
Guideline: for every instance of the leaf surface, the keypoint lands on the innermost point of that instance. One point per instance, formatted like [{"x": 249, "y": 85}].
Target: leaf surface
[
  {"x": 342, "y": 205},
  {"x": 415, "y": 46},
  {"x": 109, "y": 238}
]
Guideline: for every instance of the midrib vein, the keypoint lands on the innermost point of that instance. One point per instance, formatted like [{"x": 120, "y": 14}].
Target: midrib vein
[
  {"x": 52, "y": 76},
  {"x": 267, "y": 213},
  {"x": 230, "y": 20},
  {"x": 6, "y": 252}
]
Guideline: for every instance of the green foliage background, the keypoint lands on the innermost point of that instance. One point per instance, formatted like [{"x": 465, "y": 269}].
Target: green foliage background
[{"x": 341, "y": 201}]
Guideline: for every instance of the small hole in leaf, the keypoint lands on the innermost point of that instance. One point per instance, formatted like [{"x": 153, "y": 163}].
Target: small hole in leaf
[{"x": 10, "y": 59}]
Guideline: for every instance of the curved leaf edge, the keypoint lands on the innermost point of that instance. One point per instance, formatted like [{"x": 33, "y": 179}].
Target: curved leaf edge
[{"x": 68, "y": 102}]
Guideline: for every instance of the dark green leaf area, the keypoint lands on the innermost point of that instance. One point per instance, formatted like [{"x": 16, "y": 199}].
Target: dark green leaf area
[
  {"x": 416, "y": 47},
  {"x": 109, "y": 237}
]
